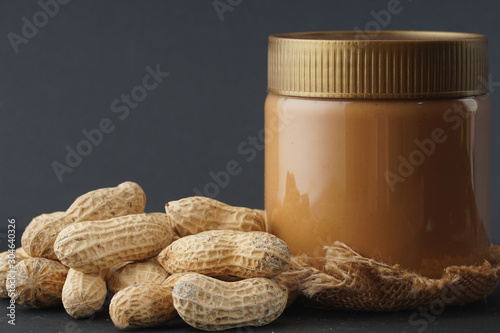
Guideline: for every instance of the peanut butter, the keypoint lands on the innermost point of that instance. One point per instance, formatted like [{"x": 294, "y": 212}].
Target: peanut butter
[{"x": 399, "y": 179}]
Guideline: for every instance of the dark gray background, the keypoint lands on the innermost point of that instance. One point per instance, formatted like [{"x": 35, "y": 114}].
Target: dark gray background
[{"x": 64, "y": 79}]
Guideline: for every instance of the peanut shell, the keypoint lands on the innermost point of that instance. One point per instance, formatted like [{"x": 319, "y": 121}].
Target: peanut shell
[
  {"x": 93, "y": 246},
  {"x": 144, "y": 305},
  {"x": 212, "y": 305},
  {"x": 135, "y": 273},
  {"x": 193, "y": 215},
  {"x": 7, "y": 262},
  {"x": 39, "y": 236},
  {"x": 38, "y": 282},
  {"x": 83, "y": 294},
  {"x": 227, "y": 252}
]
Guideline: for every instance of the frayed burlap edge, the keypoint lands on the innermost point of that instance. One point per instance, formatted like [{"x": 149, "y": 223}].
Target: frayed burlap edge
[{"x": 350, "y": 281}]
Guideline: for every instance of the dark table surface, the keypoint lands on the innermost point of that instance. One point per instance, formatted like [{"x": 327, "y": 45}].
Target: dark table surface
[{"x": 481, "y": 316}]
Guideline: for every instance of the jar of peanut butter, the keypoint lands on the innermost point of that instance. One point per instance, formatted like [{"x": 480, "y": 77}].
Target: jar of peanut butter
[{"x": 380, "y": 140}]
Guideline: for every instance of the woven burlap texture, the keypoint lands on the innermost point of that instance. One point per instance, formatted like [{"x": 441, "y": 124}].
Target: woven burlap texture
[{"x": 350, "y": 281}]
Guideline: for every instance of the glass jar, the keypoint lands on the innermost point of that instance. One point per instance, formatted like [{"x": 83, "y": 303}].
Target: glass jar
[{"x": 381, "y": 142}]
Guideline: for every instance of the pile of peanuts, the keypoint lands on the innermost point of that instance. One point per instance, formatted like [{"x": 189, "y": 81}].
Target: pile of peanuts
[{"x": 212, "y": 264}]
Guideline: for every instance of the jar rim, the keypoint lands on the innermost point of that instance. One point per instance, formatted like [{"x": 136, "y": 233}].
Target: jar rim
[{"x": 378, "y": 64}]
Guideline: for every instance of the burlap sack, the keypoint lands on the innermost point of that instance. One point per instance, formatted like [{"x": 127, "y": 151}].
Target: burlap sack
[{"x": 352, "y": 282}]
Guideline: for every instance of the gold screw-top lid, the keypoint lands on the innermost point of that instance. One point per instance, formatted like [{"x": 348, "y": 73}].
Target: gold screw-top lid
[{"x": 378, "y": 64}]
